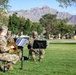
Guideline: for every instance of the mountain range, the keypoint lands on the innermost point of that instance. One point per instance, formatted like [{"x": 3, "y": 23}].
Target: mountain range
[{"x": 34, "y": 14}]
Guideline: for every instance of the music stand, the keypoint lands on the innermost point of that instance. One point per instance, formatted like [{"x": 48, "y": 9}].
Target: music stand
[
  {"x": 39, "y": 44},
  {"x": 20, "y": 42}
]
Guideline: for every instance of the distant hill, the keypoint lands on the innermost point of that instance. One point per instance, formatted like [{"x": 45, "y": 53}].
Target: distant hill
[{"x": 34, "y": 14}]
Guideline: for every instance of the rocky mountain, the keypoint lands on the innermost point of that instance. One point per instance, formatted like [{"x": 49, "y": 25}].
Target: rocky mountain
[{"x": 34, "y": 14}]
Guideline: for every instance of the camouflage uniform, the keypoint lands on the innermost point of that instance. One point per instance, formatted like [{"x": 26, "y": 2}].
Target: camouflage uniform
[
  {"x": 33, "y": 52},
  {"x": 4, "y": 51}
]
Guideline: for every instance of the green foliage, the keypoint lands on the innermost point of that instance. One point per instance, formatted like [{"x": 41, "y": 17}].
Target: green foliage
[
  {"x": 48, "y": 21},
  {"x": 37, "y": 27},
  {"x": 70, "y": 29},
  {"x": 20, "y": 24},
  {"x": 28, "y": 25},
  {"x": 66, "y": 2},
  {"x": 63, "y": 27},
  {"x": 74, "y": 27},
  {"x": 3, "y": 14},
  {"x": 14, "y": 23},
  {"x": 55, "y": 26},
  {"x": 3, "y": 18},
  {"x": 4, "y": 4}
]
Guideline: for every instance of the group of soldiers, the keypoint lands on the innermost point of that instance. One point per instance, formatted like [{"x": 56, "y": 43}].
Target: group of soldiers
[{"x": 12, "y": 58}]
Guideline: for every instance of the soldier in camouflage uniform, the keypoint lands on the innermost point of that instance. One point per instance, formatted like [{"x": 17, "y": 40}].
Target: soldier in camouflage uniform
[
  {"x": 33, "y": 52},
  {"x": 4, "y": 50}
]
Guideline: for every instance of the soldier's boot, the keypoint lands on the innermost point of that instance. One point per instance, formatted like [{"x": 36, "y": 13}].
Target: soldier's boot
[
  {"x": 41, "y": 55},
  {"x": 19, "y": 59},
  {"x": 4, "y": 67},
  {"x": 40, "y": 59},
  {"x": 33, "y": 56},
  {"x": 10, "y": 67}
]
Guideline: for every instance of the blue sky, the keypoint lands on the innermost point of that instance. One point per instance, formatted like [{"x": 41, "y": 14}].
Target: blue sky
[{"x": 28, "y": 4}]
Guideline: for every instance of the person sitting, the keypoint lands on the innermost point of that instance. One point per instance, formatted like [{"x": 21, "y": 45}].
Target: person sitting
[
  {"x": 4, "y": 50},
  {"x": 33, "y": 52}
]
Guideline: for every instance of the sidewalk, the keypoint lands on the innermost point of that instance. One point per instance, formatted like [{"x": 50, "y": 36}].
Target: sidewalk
[{"x": 62, "y": 41}]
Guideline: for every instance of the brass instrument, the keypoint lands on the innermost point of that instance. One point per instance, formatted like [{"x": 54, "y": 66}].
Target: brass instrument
[{"x": 12, "y": 43}]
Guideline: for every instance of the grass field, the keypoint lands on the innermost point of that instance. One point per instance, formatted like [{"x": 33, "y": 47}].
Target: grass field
[{"x": 60, "y": 59}]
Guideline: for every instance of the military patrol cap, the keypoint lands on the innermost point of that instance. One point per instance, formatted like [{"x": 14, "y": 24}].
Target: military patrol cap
[
  {"x": 4, "y": 27},
  {"x": 35, "y": 33}
]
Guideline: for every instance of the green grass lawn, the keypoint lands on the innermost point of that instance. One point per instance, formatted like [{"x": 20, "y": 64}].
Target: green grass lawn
[{"x": 60, "y": 59}]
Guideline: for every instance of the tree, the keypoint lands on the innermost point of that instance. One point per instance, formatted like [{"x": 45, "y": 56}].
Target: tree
[
  {"x": 74, "y": 29},
  {"x": 3, "y": 18},
  {"x": 37, "y": 27},
  {"x": 3, "y": 15},
  {"x": 70, "y": 29},
  {"x": 62, "y": 27},
  {"x": 4, "y": 4},
  {"x": 48, "y": 21},
  {"x": 27, "y": 28},
  {"x": 22, "y": 21},
  {"x": 14, "y": 23},
  {"x": 66, "y": 2}
]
